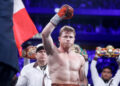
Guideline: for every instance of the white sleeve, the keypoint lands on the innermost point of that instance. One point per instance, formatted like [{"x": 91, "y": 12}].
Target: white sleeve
[
  {"x": 86, "y": 68},
  {"x": 116, "y": 78},
  {"x": 22, "y": 79},
  {"x": 94, "y": 72}
]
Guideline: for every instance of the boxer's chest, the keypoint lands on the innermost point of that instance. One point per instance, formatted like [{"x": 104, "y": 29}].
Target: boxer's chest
[{"x": 71, "y": 61}]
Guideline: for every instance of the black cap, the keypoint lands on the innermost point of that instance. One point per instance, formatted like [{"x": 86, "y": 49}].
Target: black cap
[{"x": 39, "y": 47}]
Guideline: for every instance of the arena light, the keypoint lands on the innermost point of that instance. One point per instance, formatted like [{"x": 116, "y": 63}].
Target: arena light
[{"x": 56, "y": 10}]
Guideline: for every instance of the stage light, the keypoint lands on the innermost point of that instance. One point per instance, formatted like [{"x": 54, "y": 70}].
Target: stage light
[{"x": 56, "y": 10}]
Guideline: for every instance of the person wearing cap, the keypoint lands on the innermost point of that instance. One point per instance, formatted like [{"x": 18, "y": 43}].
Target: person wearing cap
[{"x": 36, "y": 73}]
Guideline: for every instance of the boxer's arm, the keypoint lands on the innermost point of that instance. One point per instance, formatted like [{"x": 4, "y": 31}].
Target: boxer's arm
[
  {"x": 47, "y": 39},
  {"x": 66, "y": 12}
]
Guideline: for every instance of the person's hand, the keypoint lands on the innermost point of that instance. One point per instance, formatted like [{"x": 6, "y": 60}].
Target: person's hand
[
  {"x": 98, "y": 51},
  {"x": 96, "y": 56},
  {"x": 65, "y": 12}
]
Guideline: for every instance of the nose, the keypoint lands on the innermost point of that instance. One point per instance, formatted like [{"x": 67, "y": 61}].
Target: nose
[{"x": 43, "y": 53}]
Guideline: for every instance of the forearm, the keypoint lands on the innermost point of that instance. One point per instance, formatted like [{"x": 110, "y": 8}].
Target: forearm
[
  {"x": 116, "y": 78},
  {"x": 117, "y": 75},
  {"x": 118, "y": 61},
  {"x": 93, "y": 66},
  {"x": 48, "y": 30},
  {"x": 94, "y": 72},
  {"x": 47, "y": 39}
]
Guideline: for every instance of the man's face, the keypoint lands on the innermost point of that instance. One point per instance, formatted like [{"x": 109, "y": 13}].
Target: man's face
[
  {"x": 67, "y": 39},
  {"x": 106, "y": 74},
  {"x": 41, "y": 55}
]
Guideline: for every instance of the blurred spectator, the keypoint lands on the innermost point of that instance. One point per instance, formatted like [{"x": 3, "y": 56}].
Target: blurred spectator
[
  {"x": 106, "y": 78},
  {"x": 36, "y": 73},
  {"x": 8, "y": 50}
]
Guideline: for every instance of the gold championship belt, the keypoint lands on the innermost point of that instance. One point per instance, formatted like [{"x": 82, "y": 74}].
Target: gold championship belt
[
  {"x": 108, "y": 51},
  {"x": 29, "y": 52}
]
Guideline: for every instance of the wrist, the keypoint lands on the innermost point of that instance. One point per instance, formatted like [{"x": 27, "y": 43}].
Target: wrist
[
  {"x": 95, "y": 58},
  {"x": 55, "y": 19}
]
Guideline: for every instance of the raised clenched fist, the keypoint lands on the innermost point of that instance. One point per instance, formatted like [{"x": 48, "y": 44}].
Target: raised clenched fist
[{"x": 66, "y": 12}]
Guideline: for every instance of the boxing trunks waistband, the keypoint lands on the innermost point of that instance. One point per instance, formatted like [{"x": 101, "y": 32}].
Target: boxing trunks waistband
[{"x": 55, "y": 84}]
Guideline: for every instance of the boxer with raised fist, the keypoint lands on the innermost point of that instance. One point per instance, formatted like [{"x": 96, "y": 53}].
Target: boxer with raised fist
[{"x": 65, "y": 66}]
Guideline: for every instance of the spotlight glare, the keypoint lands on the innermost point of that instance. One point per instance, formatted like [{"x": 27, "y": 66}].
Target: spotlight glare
[{"x": 56, "y": 10}]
